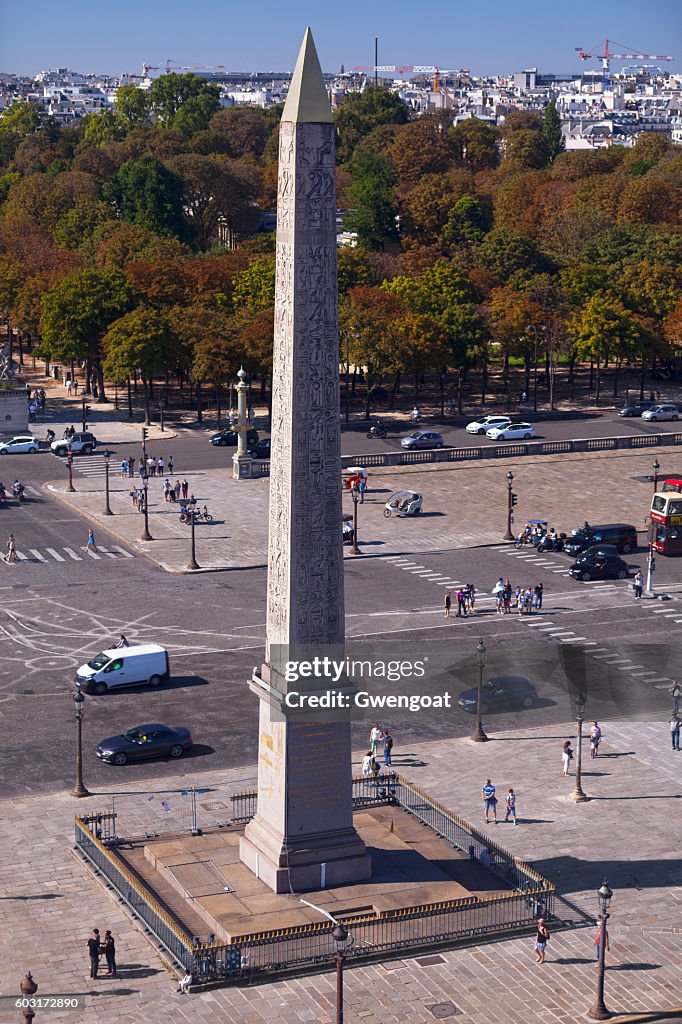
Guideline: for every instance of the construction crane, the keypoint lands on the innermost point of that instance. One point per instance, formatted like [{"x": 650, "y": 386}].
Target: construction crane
[
  {"x": 607, "y": 56},
  {"x": 415, "y": 69}
]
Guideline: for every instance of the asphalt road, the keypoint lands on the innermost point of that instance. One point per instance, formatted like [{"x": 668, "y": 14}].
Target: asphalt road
[{"x": 57, "y": 612}]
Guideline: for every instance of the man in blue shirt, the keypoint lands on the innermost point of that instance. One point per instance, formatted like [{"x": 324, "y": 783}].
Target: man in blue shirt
[{"x": 489, "y": 800}]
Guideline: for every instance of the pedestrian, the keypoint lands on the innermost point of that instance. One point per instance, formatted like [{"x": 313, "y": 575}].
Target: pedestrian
[
  {"x": 447, "y": 601},
  {"x": 159, "y": 465},
  {"x": 91, "y": 546},
  {"x": 124, "y": 468},
  {"x": 675, "y": 693},
  {"x": 362, "y": 487},
  {"x": 541, "y": 940},
  {"x": 517, "y": 597},
  {"x": 95, "y": 390},
  {"x": 566, "y": 756},
  {"x": 538, "y": 596},
  {"x": 184, "y": 984},
  {"x": 140, "y": 501},
  {"x": 470, "y": 593},
  {"x": 597, "y": 941},
  {"x": 133, "y": 495},
  {"x": 374, "y": 737},
  {"x": 94, "y": 952},
  {"x": 11, "y": 555},
  {"x": 122, "y": 641},
  {"x": 388, "y": 747},
  {"x": 75, "y": 385},
  {"x": 675, "y": 731},
  {"x": 367, "y": 765},
  {"x": 451, "y": 406},
  {"x": 489, "y": 800},
  {"x": 511, "y": 806},
  {"x": 166, "y": 490},
  {"x": 507, "y": 597},
  {"x": 595, "y": 739},
  {"x": 177, "y": 490},
  {"x": 68, "y": 387},
  {"x": 142, "y": 471},
  {"x": 131, "y": 466},
  {"x": 170, "y": 465},
  {"x": 461, "y": 604},
  {"x": 185, "y": 489},
  {"x": 498, "y": 594},
  {"x": 638, "y": 585},
  {"x": 154, "y": 464},
  {"x": 110, "y": 953}
]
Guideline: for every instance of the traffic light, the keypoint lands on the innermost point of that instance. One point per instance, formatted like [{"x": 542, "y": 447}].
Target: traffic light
[
  {"x": 69, "y": 458},
  {"x": 653, "y": 564},
  {"x": 514, "y": 499},
  {"x": 145, "y": 434}
]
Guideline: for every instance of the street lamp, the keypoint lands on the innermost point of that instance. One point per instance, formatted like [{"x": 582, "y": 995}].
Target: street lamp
[
  {"x": 577, "y": 794},
  {"x": 534, "y": 329},
  {"x": 193, "y": 564},
  {"x": 510, "y": 506},
  {"x": 79, "y": 789},
  {"x": 69, "y": 467},
  {"x": 28, "y": 989},
  {"x": 340, "y": 939},
  {"x": 107, "y": 507},
  {"x": 161, "y": 417},
  {"x": 478, "y": 735},
  {"x": 599, "y": 1011},
  {"x": 655, "y": 466},
  {"x": 146, "y": 535},
  {"x": 355, "y": 495}
]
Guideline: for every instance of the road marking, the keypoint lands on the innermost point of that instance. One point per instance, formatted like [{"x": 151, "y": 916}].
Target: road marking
[
  {"x": 40, "y": 557},
  {"x": 108, "y": 553},
  {"x": 572, "y": 639},
  {"x": 93, "y": 554},
  {"x": 126, "y": 554},
  {"x": 72, "y": 554},
  {"x": 21, "y": 556},
  {"x": 32, "y": 490},
  {"x": 420, "y": 571},
  {"x": 564, "y": 572},
  {"x": 55, "y": 555}
]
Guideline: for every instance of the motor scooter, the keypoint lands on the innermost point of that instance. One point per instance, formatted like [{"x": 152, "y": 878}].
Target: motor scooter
[{"x": 378, "y": 430}]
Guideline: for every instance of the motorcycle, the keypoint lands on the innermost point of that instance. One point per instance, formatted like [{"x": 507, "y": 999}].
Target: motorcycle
[
  {"x": 18, "y": 493},
  {"x": 199, "y": 515},
  {"x": 552, "y": 543},
  {"x": 3, "y": 495},
  {"x": 50, "y": 436},
  {"x": 378, "y": 430}
]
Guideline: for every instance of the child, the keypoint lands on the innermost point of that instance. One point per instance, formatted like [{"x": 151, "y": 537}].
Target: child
[{"x": 511, "y": 806}]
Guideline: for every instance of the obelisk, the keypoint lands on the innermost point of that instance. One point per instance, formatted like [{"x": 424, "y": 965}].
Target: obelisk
[{"x": 302, "y": 836}]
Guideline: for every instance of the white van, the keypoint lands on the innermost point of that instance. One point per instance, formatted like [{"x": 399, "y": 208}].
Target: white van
[{"x": 124, "y": 666}]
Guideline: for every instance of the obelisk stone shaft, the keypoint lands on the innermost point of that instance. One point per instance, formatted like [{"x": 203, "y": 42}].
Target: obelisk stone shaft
[{"x": 302, "y": 836}]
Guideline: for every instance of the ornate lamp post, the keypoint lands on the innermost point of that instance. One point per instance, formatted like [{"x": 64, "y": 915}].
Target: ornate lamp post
[
  {"x": 28, "y": 989},
  {"x": 478, "y": 735},
  {"x": 69, "y": 467},
  {"x": 107, "y": 507},
  {"x": 146, "y": 535},
  {"x": 340, "y": 938},
  {"x": 577, "y": 794},
  {"x": 655, "y": 466},
  {"x": 79, "y": 789},
  {"x": 193, "y": 564},
  {"x": 598, "y": 1011},
  {"x": 355, "y": 495},
  {"x": 510, "y": 506}
]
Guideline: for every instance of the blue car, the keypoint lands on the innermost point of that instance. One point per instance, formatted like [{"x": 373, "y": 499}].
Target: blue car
[{"x": 502, "y": 693}]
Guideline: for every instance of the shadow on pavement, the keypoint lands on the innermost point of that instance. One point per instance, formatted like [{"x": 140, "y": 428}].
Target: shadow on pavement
[{"x": 638, "y": 874}]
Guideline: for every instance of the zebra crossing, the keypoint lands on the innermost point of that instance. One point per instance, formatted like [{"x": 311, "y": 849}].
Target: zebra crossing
[
  {"x": 429, "y": 575},
  {"x": 93, "y": 466},
  {"x": 559, "y": 567},
  {"x": 69, "y": 554}
]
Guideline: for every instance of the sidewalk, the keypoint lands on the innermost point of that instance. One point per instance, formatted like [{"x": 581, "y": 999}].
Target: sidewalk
[
  {"x": 630, "y": 831},
  {"x": 464, "y": 505}
]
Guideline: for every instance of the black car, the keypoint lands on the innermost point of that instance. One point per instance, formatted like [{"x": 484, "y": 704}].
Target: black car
[
  {"x": 622, "y": 535},
  {"x": 261, "y": 449},
  {"x": 144, "y": 741},
  {"x": 599, "y": 567},
  {"x": 501, "y": 693},
  {"x": 230, "y": 437},
  {"x": 607, "y": 550},
  {"x": 636, "y": 408}
]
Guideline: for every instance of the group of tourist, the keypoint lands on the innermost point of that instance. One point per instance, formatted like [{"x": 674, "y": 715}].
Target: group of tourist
[
  {"x": 378, "y": 739},
  {"x": 466, "y": 601},
  {"x": 523, "y": 599},
  {"x": 98, "y": 947}
]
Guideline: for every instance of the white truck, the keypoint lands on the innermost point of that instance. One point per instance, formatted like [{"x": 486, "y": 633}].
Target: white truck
[{"x": 124, "y": 666}]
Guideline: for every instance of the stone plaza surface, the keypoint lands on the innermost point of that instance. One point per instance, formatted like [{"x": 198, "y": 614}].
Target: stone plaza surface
[
  {"x": 464, "y": 506},
  {"x": 630, "y": 831}
]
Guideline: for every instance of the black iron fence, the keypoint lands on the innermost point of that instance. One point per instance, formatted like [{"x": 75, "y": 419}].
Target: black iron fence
[{"x": 529, "y": 896}]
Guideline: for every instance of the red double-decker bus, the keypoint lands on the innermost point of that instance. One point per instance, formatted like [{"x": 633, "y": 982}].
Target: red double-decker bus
[
  {"x": 672, "y": 483},
  {"x": 666, "y": 519}
]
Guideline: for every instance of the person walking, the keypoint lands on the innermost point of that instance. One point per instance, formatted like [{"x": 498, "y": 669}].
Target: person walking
[
  {"x": 675, "y": 731},
  {"x": 507, "y": 597},
  {"x": 166, "y": 490},
  {"x": 159, "y": 465},
  {"x": 94, "y": 952},
  {"x": 541, "y": 940},
  {"x": 110, "y": 953},
  {"x": 362, "y": 487},
  {"x": 185, "y": 489},
  {"x": 124, "y": 468},
  {"x": 675, "y": 693},
  {"x": 489, "y": 801},
  {"x": 170, "y": 465},
  {"x": 470, "y": 594},
  {"x": 75, "y": 385},
  {"x": 595, "y": 739},
  {"x": 177, "y": 489},
  {"x": 447, "y": 601},
  {"x": 597, "y": 941},
  {"x": 511, "y": 806},
  {"x": 69, "y": 385},
  {"x": 91, "y": 546},
  {"x": 11, "y": 555},
  {"x": 566, "y": 756},
  {"x": 461, "y": 604},
  {"x": 388, "y": 747},
  {"x": 538, "y": 596},
  {"x": 374, "y": 737},
  {"x": 638, "y": 585},
  {"x": 498, "y": 594},
  {"x": 131, "y": 466}
]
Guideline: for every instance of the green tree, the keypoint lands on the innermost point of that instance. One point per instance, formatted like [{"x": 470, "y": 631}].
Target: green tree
[
  {"x": 374, "y": 196},
  {"x": 133, "y": 105},
  {"x": 254, "y": 287},
  {"x": 78, "y": 312},
  {"x": 468, "y": 222},
  {"x": 603, "y": 328},
  {"x": 505, "y": 253},
  {"x": 102, "y": 128},
  {"x": 140, "y": 341},
  {"x": 367, "y": 320},
  {"x": 418, "y": 148},
  {"x": 361, "y": 112},
  {"x": 216, "y": 191},
  {"x": 475, "y": 144},
  {"x": 76, "y": 227},
  {"x": 551, "y": 130},
  {"x": 146, "y": 193},
  {"x": 170, "y": 93},
  {"x": 526, "y": 149}
]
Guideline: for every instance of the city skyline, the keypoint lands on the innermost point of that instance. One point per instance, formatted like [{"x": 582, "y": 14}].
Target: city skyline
[{"x": 88, "y": 39}]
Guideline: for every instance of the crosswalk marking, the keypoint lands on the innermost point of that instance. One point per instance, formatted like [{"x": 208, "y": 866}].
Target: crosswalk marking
[
  {"x": 122, "y": 551},
  {"x": 108, "y": 553},
  {"x": 21, "y": 556},
  {"x": 55, "y": 554},
  {"x": 40, "y": 557},
  {"x": 72, "y": 554},
  {"x": 37, "y": 554},
  {"x": 93, "y": 554}
]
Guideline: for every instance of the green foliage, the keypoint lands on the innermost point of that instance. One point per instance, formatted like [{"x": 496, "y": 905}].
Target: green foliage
[
  {"x": 468, "y": 222},
  {"x": 374, "y": 195},
  {"x": 102, "y": 128},
  {"x": 254, "y": 288},
  {"x": 80, "y": 309},
  {"x": 361, "y": 112},
  {"x": 603, "y": 327},
  {"x": 141, "y": 340},
  {"x": 505, "y": 253},
  {"x": 184, "y": 101},
  {"x": 551, "y": 130},
  {"x": 145, "y": 192},
  {"x": 475, "y": 144},
  {"x": 133, "y": 105}
]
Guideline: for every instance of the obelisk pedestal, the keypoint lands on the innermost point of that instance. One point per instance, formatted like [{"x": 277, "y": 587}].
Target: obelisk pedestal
[{"x": 302, "y": 836}]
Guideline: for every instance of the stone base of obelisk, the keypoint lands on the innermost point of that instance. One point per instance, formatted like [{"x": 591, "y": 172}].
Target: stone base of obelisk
[
  {"x": 307, "y": 864},
  {"x": 242, "y": 467}
]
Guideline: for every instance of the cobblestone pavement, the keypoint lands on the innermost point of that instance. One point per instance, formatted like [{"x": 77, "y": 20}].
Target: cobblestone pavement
[
  {"x": 464, "y": 506},
  {"x": 630, "y": 831}
]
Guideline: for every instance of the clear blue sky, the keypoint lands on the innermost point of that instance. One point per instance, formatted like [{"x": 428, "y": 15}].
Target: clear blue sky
[{"x": 492, "y": 37}]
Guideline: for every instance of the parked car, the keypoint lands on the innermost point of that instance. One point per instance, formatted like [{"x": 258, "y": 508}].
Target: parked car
[
  {"x": 22, "y": 444},
  {"x": 622, "y": 535},
  {"x": 84, "y": 442},
  {"x": 422, "y": 439},
  {"x": 501, "y": 693},
  {"x": 143, "y": 741},
  {"x": 486, "y": 423},
  {"x": 636, "y": 408},
  {"x": 599, "y": 567},
  {"x": 511, "y": 432},
  {"x": 261, "y": 449},
  {"x": 661, "y": 412},
  {"x": 124, "y": 666},
  {"x": 227, "y": 436}
]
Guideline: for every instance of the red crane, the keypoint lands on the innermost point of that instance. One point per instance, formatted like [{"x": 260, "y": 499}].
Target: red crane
[{"x": 606, "y": 57}]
